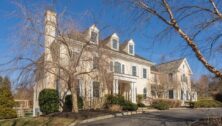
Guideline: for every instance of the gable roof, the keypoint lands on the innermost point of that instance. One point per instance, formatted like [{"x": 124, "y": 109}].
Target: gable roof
[{"x": 170, "y": 66}]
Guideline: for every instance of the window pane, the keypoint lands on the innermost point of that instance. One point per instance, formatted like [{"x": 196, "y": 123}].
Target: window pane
[
  {"x": 131, "y": 49},
  {"x": 171, "y": 94},
  {"x": 144, "y": 92},
  {"x": 93, "y": 36},
  {"x": 95, "y": 62},
  {"x": 96, "y": 89},
  {"x": 115, "y": 44},
  {"x": 123, "y": 68},
  {"x": 134, "y": 70},
  {"x": 144, "y": 73},
  {"x": 117, "y": 67}
]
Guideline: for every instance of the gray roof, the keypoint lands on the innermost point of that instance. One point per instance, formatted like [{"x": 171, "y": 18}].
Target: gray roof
[{"x": 170, "y": 66}]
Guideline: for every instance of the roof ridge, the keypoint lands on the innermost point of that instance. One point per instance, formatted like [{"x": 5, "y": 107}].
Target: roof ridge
[{"x": 171, "y": 61}]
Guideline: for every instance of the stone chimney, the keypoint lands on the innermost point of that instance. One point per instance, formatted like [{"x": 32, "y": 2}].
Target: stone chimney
[{"x": 50, "y": 36}]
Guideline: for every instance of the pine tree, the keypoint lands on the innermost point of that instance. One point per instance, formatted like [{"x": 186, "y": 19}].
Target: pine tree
[{"x": 7, "y": 101}]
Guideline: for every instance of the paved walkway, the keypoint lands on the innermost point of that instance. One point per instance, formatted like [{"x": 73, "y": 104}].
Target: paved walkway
[{"x": 175, "y": 117}]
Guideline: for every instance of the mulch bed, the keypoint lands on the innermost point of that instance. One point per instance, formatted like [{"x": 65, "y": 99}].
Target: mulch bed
[{"x": 83, "y": 114}]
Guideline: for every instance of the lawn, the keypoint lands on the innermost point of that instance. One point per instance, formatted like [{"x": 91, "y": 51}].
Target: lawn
[
  {"x": 38, "y": 121},
  {"x": 55, "y": 119}
]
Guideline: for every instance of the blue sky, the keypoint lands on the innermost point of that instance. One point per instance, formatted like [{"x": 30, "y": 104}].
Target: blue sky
[{"x": 87, "y": 12}]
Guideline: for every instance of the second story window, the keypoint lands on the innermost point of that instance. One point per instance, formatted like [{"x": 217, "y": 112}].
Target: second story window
[
  {"x": 94, "y": 36},
  {"x": 131, "y": 49},
  {"x": 144, "y": 73},
  {"x": 134, "y": 70},
  {"x": 114, "y": 44},
  {"x": 123, "y": 69},
  {"x": 95, "y": 62},
  {"x": 117, "y": 67}
]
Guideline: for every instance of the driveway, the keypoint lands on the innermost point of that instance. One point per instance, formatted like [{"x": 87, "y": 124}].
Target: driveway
[{"x": 175, "y": 117}]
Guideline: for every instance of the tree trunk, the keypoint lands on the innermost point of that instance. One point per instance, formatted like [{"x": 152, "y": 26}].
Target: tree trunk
[{"x": 74, "y": 101}]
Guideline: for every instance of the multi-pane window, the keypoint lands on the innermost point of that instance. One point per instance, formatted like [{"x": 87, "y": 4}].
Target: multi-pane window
[
  {"x": 95, "y": 62},
  {"x": 123, "y": 69},
  {"x": 131, "y": 49},
  {"x": 171, "y": 94},
  {"x": 144, "y": 73},
  {"x": 115, "y": 44},
  {"x": 134, "y": 70},
  {"x": 117, "y": 67},
  {"x": 144, "y": 92},
  {"x": 181, "y": 95},
  {"x": 183, "y": 78},
  {"x": 96, "y": 90},
  {"x": 94, "y": 36}
]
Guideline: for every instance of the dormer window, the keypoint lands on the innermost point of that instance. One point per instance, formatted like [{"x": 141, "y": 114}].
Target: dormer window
[
  {"x": 94, "y": 36},
  {"x": 131, "y": 49},
  {"x": 115, "y": 44}
]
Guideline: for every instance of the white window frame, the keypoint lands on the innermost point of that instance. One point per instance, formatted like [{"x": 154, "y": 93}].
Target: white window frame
[
  {"x": 97, "y": 36},
  {"x": 117, "y": 42},
  {"x": 143, "y": 73},
  {"x": 135, "y": 71},
  {"x": 132, "y": 50}
]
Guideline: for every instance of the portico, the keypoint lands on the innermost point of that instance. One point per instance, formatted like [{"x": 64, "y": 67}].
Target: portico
[{"x": 125, "y": 85}]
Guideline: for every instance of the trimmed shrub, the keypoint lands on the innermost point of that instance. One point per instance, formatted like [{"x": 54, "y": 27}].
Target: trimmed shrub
[
  {"x": 48, "y": 101},
  {"x": 119, "y": 100},
  {"x": 207, "y": 104},
  {"x": 7, "y": 113},
  {"x": 129, "y": 106},
  {"x": 161, "y": 105},
  {"x": 218, "y": 96},
  {"x": 169, "y": 102},
  {"x": 68, "y": 103}
]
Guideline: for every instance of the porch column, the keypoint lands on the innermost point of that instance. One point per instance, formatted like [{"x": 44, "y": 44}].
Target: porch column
[
  {"x": 115, "y": 86},
  {"x": 133, "y": 92}
]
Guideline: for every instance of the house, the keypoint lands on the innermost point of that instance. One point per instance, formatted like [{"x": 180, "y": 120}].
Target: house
[
  {"x": 109, "y": 66},
  {"x": 172, "y": 80}
]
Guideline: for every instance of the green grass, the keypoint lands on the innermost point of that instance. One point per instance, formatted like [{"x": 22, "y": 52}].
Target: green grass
[{"x": 39, "y": 121}]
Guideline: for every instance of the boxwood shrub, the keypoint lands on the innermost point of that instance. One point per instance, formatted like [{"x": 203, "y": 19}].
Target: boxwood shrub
[
  {"x": 161, "y": 105},
  {"x": 48, "y": 101},
  {"x": 207, "y": 103},
  {"x": 171, "y": 103},
  {"x": 119, "y": 100}
]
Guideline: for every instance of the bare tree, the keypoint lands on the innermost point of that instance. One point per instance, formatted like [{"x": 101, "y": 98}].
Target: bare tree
[
  {"x": 55, "y": 53},
  {"x": 201, "y": 18}
]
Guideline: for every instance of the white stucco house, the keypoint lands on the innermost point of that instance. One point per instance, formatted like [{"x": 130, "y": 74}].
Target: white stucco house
[{"x": 131, "y": 74}]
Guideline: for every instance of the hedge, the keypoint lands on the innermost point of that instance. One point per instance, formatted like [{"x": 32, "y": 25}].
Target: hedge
[
  {"x": 207, "y": 104},
  {"x": 161, "y": 105},
  {"x": 169, "y": 102},
  {"x": 48, "y": 101},
  {"x": 119, "y": 100},
  {"x": 7, "y": 113}
]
